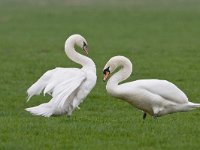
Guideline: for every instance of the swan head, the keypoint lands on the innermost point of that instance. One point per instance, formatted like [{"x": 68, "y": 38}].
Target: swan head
[
  {"x": 106, "y": 73},
  {"x": 80, "y": 41},
  {"x": 109, "y": 68},
  {"x": 113, "y": 63}
]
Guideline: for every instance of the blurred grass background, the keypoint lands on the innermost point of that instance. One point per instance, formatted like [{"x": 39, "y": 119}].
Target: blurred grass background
[{"x": 160, "y": 37}]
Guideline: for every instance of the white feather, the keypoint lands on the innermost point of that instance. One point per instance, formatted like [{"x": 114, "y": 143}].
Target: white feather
[
  {"x": 156, "y": 97},
  {"x": 67, "y": 86}
]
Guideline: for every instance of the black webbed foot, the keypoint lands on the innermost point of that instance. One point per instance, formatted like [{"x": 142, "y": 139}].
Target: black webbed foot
[{"x": 144, "y": 115}]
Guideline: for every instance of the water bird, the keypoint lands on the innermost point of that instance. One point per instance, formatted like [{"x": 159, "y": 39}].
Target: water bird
[
  {"x": 153, "y": 96},
  {"x": 67, "y": 86}
]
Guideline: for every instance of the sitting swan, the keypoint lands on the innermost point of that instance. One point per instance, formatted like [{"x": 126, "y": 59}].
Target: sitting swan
[
  {"x": 153, "y": 96},
  {"x": 67, "y": 86}
]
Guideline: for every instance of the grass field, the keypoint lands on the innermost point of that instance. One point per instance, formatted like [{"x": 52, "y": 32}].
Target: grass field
[{"x": 160, "y": 37}]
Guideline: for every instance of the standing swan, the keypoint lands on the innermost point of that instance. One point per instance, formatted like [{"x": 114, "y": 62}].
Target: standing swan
[
  {"x": 153, "y": 96},
  {"x": 67, "y": 86}
]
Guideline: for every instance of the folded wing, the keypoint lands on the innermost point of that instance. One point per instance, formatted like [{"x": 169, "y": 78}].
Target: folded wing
[{"x": 164, "y": 89}]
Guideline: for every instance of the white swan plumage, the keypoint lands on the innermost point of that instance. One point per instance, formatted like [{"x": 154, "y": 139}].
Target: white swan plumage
[
  {"x": 67, "y": 86},
  {"x": 153, "y": 96}
]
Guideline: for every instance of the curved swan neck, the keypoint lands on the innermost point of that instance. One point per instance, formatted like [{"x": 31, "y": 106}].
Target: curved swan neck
[
  {"x": 84, "y": 61},
  {"x": 124, "y": 72}
]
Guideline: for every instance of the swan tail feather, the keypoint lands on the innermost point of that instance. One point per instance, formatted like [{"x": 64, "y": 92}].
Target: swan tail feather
[
  {"x": 194, "y": 105},
  {"x": 41, "y": 110}
]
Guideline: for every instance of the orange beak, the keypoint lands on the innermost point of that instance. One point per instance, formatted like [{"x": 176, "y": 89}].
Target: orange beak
[{"x": 106, "y": 76}]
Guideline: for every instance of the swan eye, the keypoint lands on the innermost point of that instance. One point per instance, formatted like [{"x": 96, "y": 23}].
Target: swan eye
[
  {"x": 85, "y": 47},
  {"x": 106, "y": 70},
  {"x": 84, "y": 44}
]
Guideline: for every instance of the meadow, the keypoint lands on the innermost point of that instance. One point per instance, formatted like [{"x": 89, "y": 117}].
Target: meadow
[{"x": 160, "y": 37}]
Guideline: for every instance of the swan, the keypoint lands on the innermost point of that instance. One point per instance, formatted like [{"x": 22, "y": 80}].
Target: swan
[
  {"x": 67, "y": 86},
  {"x": 153, "y": 96}
]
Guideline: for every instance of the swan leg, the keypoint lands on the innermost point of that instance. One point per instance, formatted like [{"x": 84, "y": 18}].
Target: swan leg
[
  {"x": 156, "y": 111},
  {"x": 144, "y": 115}
]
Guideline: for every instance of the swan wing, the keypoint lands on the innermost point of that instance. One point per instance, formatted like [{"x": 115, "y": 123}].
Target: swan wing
[
  {"x": 40, "y": 84},
  {"x": 63, "y": 86},
  {"x": 54, "y": 81},
  {"x": 164, "y": 89},
  {"x": 65, "y": 93}
]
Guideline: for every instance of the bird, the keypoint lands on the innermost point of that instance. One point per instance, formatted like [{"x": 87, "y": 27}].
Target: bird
[
  {"x": 153, "y": 96},
  {"x": 67, "y": 86}
]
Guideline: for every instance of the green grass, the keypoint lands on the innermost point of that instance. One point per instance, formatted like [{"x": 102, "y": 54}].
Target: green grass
[{"x": 160, "y": 37}]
